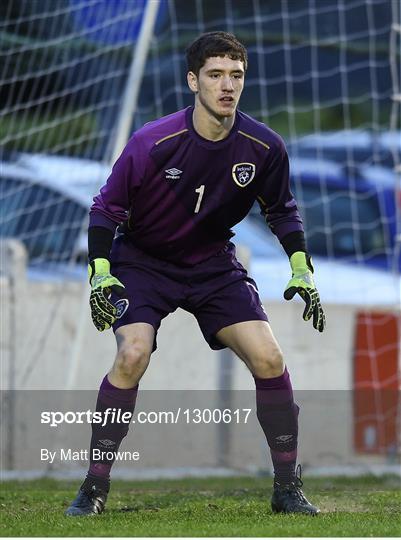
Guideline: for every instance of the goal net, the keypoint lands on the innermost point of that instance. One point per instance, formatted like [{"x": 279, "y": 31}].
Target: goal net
[{"x": 323, "y": 73}]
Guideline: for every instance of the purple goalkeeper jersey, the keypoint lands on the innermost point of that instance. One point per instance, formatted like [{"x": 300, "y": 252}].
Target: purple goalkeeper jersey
[{"x": 177, "y": 195}]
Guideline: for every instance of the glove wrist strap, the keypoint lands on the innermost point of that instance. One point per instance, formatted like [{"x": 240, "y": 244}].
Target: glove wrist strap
[
  {"x": 98, "y": 266},
  {"x": 301, "y": 263}
]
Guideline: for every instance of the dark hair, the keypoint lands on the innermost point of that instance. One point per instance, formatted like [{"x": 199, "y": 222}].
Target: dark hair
[{"x": 214, "y": 44}]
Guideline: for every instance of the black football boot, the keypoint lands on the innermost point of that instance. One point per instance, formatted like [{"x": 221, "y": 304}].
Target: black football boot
[
  {"x": 89, "y": 501},
  {"x": 289, "y": 499}
]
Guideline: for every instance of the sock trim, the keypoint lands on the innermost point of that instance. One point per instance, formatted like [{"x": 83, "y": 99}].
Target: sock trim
[{"x": 272, "y": 383}]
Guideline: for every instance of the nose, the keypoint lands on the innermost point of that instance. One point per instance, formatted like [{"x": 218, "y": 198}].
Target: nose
[{"x": 227, "y": 84}]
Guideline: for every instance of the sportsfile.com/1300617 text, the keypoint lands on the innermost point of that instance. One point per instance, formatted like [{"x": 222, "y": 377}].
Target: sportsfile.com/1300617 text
[{"x": 180, "y": 415}]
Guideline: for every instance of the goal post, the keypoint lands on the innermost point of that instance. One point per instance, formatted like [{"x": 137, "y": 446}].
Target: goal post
[{"x": 134, "y": 80}]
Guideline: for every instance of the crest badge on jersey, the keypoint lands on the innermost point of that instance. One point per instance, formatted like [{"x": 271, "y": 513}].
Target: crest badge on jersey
[{"x": 243, "y": 173}]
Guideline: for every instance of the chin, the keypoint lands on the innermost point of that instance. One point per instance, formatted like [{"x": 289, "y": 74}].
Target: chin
[{"x": 226, "y": 113}]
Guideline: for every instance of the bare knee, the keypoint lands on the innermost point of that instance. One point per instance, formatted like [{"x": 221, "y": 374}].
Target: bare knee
[
  {"x": 131, "y": 362},
  {"x": 268, "y": 364}
]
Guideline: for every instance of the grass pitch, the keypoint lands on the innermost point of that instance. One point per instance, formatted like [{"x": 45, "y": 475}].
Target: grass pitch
[{"x": 365, "y": 506}]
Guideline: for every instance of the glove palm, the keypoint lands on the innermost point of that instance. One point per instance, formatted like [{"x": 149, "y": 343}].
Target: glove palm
[
  {"x": 303, "y": 284},
  {"x": 104, "y": 312}
]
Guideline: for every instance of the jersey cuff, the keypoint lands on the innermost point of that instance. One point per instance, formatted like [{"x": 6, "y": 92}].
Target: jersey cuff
[
  {"x": 294, "y": 241},
  {"x": 98, "y": 219},
  {"x": 99, "y": 243}
]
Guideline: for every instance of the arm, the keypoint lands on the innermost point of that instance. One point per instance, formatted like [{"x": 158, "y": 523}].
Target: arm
[
  {"x": 277, "y": 204},
  {"x": 280, "y": 211},
  {"x": 108, "y": 210},
  {"x": 110, "y": 207}
]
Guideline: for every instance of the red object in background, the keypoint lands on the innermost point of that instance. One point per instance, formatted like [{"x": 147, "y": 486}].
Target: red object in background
[{"x": 377, "y": 383}]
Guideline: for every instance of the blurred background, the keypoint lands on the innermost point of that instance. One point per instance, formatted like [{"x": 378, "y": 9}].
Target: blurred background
[{"x": 77, "y": 77}]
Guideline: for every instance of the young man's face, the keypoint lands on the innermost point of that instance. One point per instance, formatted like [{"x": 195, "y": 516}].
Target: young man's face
[{"x": 219, "y": 85}]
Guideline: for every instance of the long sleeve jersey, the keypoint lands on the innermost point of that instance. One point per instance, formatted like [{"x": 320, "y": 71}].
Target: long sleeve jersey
[{"x": 177, "y": 195}]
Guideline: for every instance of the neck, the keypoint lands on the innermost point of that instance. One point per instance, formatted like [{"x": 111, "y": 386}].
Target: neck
[{"x": 209, "y": 126}]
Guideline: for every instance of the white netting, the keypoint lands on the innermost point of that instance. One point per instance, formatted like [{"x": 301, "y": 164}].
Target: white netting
[
  {"x": 63, "y": 70},
  {"x": 323, "y": 73},
  {"x": 316, "y": 68}
]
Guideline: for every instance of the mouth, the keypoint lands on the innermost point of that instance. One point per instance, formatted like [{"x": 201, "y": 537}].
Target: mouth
[{"x": 226, "y": 99}]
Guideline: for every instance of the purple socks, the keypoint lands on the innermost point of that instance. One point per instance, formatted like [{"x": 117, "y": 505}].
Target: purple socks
[
  {"x": 278, "y": 416},
  {"x": 275, "y": 408},
  {"x": 113, "y": 403}
]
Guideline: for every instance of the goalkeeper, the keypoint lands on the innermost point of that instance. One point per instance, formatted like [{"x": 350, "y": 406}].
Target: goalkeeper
[{"x": 173, "y": 195}]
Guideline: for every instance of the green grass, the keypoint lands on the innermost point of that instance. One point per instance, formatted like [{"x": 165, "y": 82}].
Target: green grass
[
  {"x": 71, "y": 131},
  {"x": 365, "y": 506}
]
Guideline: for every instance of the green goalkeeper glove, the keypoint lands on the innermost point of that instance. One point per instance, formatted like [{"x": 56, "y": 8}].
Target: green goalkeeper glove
[
  {"x": 104, "y": 312},
  {"x": 303, "y": 284}
]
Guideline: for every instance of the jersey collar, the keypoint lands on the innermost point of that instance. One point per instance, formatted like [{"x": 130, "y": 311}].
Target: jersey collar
[{"x": 211, "y": 145}]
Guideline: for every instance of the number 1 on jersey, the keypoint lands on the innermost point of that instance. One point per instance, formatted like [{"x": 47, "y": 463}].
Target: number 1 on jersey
[{"x": 200, "y": 190}]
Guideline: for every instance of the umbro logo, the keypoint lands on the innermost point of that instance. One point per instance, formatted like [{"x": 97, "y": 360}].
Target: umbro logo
[
  {"x": 107, "y": 443},
  {"x": 283, "y": 438},
  {"x": 173, "y": 174}
]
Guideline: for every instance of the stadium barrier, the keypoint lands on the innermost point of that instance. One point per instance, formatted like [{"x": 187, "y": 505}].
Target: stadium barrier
[{"x": 184, "y": 373}]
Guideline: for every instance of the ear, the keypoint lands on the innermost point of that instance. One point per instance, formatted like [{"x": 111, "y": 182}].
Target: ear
[{"x": 192, "y": 80}]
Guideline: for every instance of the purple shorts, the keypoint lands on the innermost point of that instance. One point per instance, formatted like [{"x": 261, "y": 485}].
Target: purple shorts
[{"x": 218, "y": 291}]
